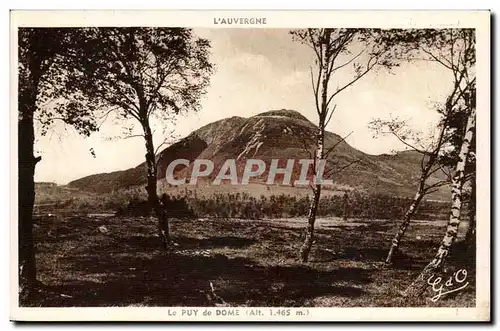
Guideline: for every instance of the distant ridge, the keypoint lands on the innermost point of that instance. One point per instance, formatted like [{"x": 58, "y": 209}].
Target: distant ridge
[{"x": 275, "y": 134}]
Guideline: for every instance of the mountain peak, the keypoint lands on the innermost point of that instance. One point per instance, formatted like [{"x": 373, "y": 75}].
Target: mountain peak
[
  {"x": 282, "y": 134},
  {"x": 283, "y": 113}
]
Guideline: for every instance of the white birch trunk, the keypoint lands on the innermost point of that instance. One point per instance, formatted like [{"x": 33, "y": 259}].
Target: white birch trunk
[
  {"x": 311, "y": 219},
  {"x": 313, "y": 208},
  {"x": 406, "y": 222},
  {"x": 411, "y": 210},
  {"x": 471, "y": 215},
  {"x": 419, "y": 285}
]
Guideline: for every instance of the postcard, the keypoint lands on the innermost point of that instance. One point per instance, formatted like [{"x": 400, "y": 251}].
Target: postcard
[{"x": 250, "y": 166}]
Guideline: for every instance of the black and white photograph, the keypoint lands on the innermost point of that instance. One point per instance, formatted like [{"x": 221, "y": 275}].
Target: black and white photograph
[{"x": 249, "y": 168}]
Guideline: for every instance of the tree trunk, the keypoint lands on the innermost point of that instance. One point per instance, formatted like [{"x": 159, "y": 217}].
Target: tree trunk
[
  {"x": 471, "y": 230},
  {"x": 311, "y": 219},
  {"x": 313, "y": 208},
  {"x": 406, "y": 222},
  {"x": 345, "y": 207},
  {"x": 320, "y": 140},
  {"x": 26, "y": 188},
  {"x": 436, "y": 264},
  {"x": 154, "y": 202},
  {"x": 413, "y": 207}
]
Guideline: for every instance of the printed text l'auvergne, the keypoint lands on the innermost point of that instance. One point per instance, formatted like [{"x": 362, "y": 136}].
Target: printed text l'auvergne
[{"x": 240, "y": 20}]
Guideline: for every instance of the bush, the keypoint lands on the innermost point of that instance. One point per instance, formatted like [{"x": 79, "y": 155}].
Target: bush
[
  {"x": 281, "y": 206},
  {"x": 238, "y": 205}
]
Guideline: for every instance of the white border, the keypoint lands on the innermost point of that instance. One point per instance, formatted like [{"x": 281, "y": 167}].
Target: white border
[{"x": 278, "y": 19}]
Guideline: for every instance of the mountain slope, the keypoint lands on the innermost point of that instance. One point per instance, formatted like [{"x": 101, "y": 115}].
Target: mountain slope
[{"x": 277, "y": 134}]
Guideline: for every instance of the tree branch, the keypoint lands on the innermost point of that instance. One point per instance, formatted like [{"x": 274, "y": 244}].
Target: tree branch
[
  {"x": 421, "y": 151},
  {"x": 315, "y": 91},
  {"x": 448, "y": 66},
  {"x": 369, "y": 67},
  {"x": 330, "y": 115},
  {"x": 329, "y": 173},
  {"x": 435, "y": 186},
  {"x": 134, "y": 136},
  {"x": 327, "y": 153},
  {"x": 348, "y": 62}
]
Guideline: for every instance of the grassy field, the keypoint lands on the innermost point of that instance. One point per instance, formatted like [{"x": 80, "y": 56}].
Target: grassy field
[{"x": 105, "y": 260}]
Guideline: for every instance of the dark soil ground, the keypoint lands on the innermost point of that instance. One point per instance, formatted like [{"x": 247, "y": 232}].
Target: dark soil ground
[{"x": 118, "y": 261}]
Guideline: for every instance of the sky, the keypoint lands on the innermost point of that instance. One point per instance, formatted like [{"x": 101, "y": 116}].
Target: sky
[{"x": 259, "y": 70}]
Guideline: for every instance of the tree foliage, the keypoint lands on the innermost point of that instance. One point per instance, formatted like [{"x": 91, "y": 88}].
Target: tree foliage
[
  {"x": 357, "y": 50},
  {"x": 454, "y": 49},
  {"x": 44, "y": 59},
  {"x": 141, "y": 72},
  {"x": 43, "y": 55}
]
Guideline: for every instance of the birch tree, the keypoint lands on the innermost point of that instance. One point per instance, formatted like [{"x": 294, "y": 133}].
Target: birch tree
[
  {"x": 144, "y": 74},
  {"x": 361, "y": 50},
  {"x": 451, "y": 49},
  {"x": 471, "y": 215},
  {"x": 429, "y": 165},
  {"x": 418, "y": 286},
  {"x": 457, "y": 126},
  {"x": 455, "y": 50}
]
